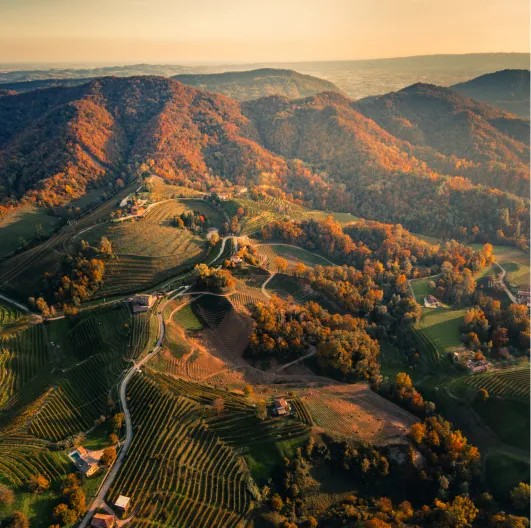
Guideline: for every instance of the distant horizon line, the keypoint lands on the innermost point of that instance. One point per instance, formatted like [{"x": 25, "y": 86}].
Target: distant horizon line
[{"x": 97, "y": 64}]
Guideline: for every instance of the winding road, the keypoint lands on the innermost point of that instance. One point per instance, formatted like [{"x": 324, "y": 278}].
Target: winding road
[
  {"x": 502, "y": 282},
  {"x": 100, "y": 497}
]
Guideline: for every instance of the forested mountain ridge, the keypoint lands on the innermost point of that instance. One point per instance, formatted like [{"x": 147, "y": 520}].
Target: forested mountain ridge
[
  {"x": 479, "y": 141},
  {"x": 319, "y": 151},
  {"x": 507, "y": 89},
  {"x": 263, "y": 82}
]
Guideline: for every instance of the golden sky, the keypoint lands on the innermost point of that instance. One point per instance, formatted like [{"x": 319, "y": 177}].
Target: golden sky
[{"x": 193, "y": 31}]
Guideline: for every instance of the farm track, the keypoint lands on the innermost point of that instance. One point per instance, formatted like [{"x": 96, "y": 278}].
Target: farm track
[{"x": 504, "y": 285}]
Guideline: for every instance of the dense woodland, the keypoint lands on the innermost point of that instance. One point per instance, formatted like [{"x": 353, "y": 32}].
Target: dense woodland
[
  {"x": 391, "y": 245},
  {"x": 319, "y": 151},
  {"x": 434, "y": 482},
  {"x": 284, "y": 331}
]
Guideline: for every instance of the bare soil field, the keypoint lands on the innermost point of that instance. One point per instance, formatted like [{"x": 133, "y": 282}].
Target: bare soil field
[{"x": 355, "y": 411}]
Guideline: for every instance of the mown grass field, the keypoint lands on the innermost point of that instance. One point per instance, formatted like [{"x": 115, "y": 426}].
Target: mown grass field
[
  {"x": 420, "y": 289},
  {"x": 515, "y": 262},
  {"x": 442, "y": 326},
  {"x": 292, "y": 254},
  {"x": 21, "y": 224},
  {"x": 504, "y": 471}
]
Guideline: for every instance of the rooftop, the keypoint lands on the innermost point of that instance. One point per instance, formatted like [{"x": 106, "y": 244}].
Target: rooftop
[{"x": 122, "y": 501}]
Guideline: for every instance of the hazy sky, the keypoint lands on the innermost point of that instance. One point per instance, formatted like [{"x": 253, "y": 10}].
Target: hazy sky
[{"x": 191, "y": 31}]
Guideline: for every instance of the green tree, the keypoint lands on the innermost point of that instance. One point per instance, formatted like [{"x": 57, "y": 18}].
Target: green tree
[{"x": 520, "y": 497}]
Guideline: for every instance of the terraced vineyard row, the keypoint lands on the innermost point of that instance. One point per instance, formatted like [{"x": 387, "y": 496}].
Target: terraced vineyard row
[
  {"x": 153, "y": 235},
  {"x": 193, "y": 478},
  {"x": 8, "y": 314},
  {"x": 77, "y": 395},
  {"x": 508, "y": 383},
  {"x": 22, "y": 356},
  {"x": 130, "y": 274},
  {"x": 23, "y": 457},
  {"x": 238, "y": 425},
  {"x": 302, "y": 410},
  {"x": 72, "y": 405},
  {"x": 139, "y": 336}
]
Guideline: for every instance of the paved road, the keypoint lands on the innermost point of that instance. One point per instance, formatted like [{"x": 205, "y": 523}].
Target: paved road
[{"x": 98, "y": 501}]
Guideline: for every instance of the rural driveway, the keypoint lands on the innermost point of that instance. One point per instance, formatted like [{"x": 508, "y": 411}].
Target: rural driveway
[{"x": 502, "y": 282}]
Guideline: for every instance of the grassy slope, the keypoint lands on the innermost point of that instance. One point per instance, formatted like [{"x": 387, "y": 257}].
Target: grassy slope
[
  {"x": 22, "y": 223},
  {"x": 442, "y": 326},
  {"x": 515, "y": 262}
]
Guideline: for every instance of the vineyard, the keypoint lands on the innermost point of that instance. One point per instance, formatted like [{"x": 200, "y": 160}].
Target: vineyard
[
  {"x": 238, "y": 425},
  {"x": 23, "y": 457},
  {"x": 193, "y": 478},
  {"x": 164, "y": 191},
  {"x": 285, "y": 286},
  {"x": 150, "y": 250},
  {"x": 354, "y": 411},
  {"x": 512, "y": 383},
  {"x": 262, "y": 212},
  {"x": 23, "y": 355},
  {"x": 77, "y": 394},
  {"x": 186, "y": 318},
  {"x": 130, "y": 274},
  {"x": 8, "y": 315},
  {"x": 152, "y": 235}
]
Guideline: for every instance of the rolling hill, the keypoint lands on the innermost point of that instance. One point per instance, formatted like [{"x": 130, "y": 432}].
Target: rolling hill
[
  {"x": 254, "y": 84},
  {"x": 484, "y": 143},
  {"x": 323, "y": 151},
  {"x": 507, "y": 89}
]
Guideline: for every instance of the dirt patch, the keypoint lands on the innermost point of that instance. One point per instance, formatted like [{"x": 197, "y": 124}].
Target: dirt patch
[{"x": 354, "y": 411}]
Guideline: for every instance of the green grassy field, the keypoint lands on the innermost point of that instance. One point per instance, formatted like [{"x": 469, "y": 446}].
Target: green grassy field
[
  {"x": 186, "y": 318},
  {"x": 293, "y": 255},
  {"x": 506, "y": 412},
  {"x": 420, "y": 288},
  {"x": 22, "y": 224},
  {"x": 504, "y": 471},
  {"x": 515, "y": 262},
  {"x": 442, "y": 326}
]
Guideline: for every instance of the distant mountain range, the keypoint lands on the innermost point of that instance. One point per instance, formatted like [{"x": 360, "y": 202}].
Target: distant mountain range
[
  {"x": 507, "y": 89},
  {"x": 356, "y": 78},
  {"x": 380, "y": 158},
  {"x": 254, "y": 84},
  {"x": 240, "y": 86}
]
